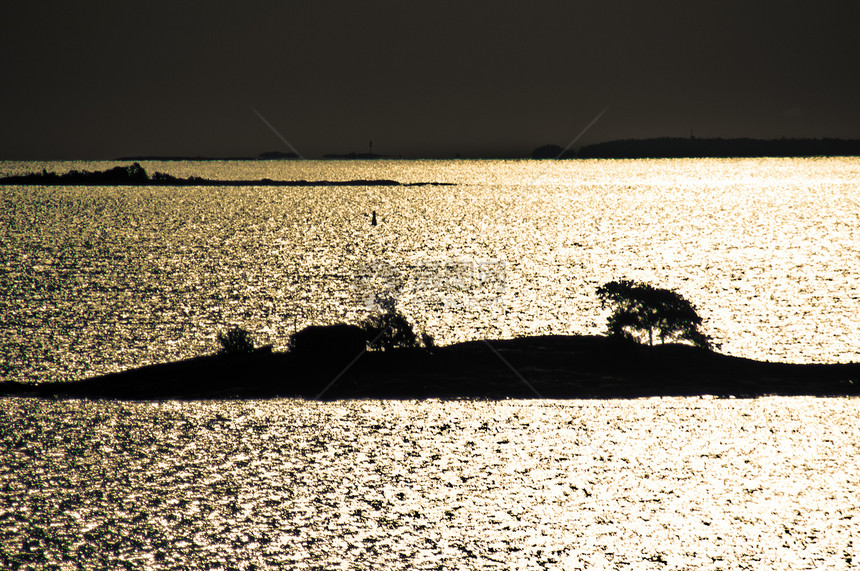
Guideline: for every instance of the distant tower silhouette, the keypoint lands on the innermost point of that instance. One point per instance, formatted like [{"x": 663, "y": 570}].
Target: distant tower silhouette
[
  {"x": 373, "y": 219},
  {"x": 371, "y": 146}
]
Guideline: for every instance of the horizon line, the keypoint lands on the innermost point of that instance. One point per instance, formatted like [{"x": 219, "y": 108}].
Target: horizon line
[{"x": 449, "y": 155}]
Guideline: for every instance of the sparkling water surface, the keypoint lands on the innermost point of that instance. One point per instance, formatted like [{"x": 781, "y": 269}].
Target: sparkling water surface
[
  {"x": 94, "y": 280},
  {"x": 101, "y": 279},
  {"x": 764, "y": 484}
]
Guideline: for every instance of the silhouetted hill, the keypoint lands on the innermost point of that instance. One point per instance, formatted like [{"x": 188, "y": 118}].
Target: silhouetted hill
[
  {"x": 677, "y": 147},
  {"x": 547, "y": 366}
]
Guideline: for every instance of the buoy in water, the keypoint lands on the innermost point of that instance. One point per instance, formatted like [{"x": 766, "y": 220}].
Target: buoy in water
[{"x": 373, "y": 219}]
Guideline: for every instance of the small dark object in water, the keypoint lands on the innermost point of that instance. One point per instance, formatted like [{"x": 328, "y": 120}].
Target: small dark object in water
[{"x": 373, "y": 219}]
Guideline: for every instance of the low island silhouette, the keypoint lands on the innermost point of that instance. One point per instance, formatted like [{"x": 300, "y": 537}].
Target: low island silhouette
[
  {"x": 136, "y": 175},
  {"x": 693, "y": 147},
  {"x": 558, "y": 367},
  {"x": 653, "y": 347}
]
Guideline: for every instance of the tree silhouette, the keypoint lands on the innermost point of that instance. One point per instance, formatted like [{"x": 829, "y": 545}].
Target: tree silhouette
[
  {"x": 641, "y": 309},
  {"x": 388, "y": 331},
  {"x": 389, "y": 328}
]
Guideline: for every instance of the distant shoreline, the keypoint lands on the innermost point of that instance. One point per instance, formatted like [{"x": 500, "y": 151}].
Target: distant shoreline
[
  {"x": 267, "y": 156},
  {"x": 692, "y": 148},
  {"x": 557, "y": 367},
  {"x": 655, "y": 147},
  {"x": 650, "y": 148}
]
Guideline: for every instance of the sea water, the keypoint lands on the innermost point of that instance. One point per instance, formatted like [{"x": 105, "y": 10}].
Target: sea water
[
  {"x": 682, "y": 483},
  {"x": 95, "y": 279}
]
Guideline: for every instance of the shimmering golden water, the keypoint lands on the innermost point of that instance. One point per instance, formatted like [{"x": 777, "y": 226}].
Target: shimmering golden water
[
  {"x": 644, "y": 484},
  {"x": 101, "y": 279}
]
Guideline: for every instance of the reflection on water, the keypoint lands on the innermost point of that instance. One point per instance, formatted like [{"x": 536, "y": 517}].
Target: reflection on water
[
  {"x": 101, "y": 279},
  {"x": 648, "y": 484}
]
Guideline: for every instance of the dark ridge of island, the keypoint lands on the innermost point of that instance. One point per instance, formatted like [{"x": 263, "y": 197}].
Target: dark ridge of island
[
  {"x": 558, "y": 367},
  {"x": 136, "y": 175},
  {"x": 692, "y": 147}
]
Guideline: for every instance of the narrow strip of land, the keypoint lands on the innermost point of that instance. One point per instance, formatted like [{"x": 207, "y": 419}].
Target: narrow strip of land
[{"x": 135, "y": 175}]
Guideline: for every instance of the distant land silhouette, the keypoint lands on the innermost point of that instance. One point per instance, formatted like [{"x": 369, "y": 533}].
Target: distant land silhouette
[
  {"x": 654, "y": 148},
  {"x": 553, "y": 366},
  {"x": 267, "y": 156},
  {"x": 355, "y": 156},
  {"x": 679, "y": 147},
  {"x": 136, "y": 175}
]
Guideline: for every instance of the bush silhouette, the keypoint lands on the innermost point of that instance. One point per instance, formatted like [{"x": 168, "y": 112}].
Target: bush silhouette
[
  {"x": 389, "y": 330},
  {"x": 236, "y": 341},
  {"x": 642, "y": 310}
]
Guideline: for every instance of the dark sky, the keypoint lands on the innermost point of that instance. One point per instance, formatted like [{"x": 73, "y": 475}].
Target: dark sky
[{"x": 106, "y": 79}]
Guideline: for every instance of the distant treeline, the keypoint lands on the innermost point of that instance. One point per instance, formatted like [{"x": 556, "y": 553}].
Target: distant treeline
[{"x": 678, "y": 147}]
